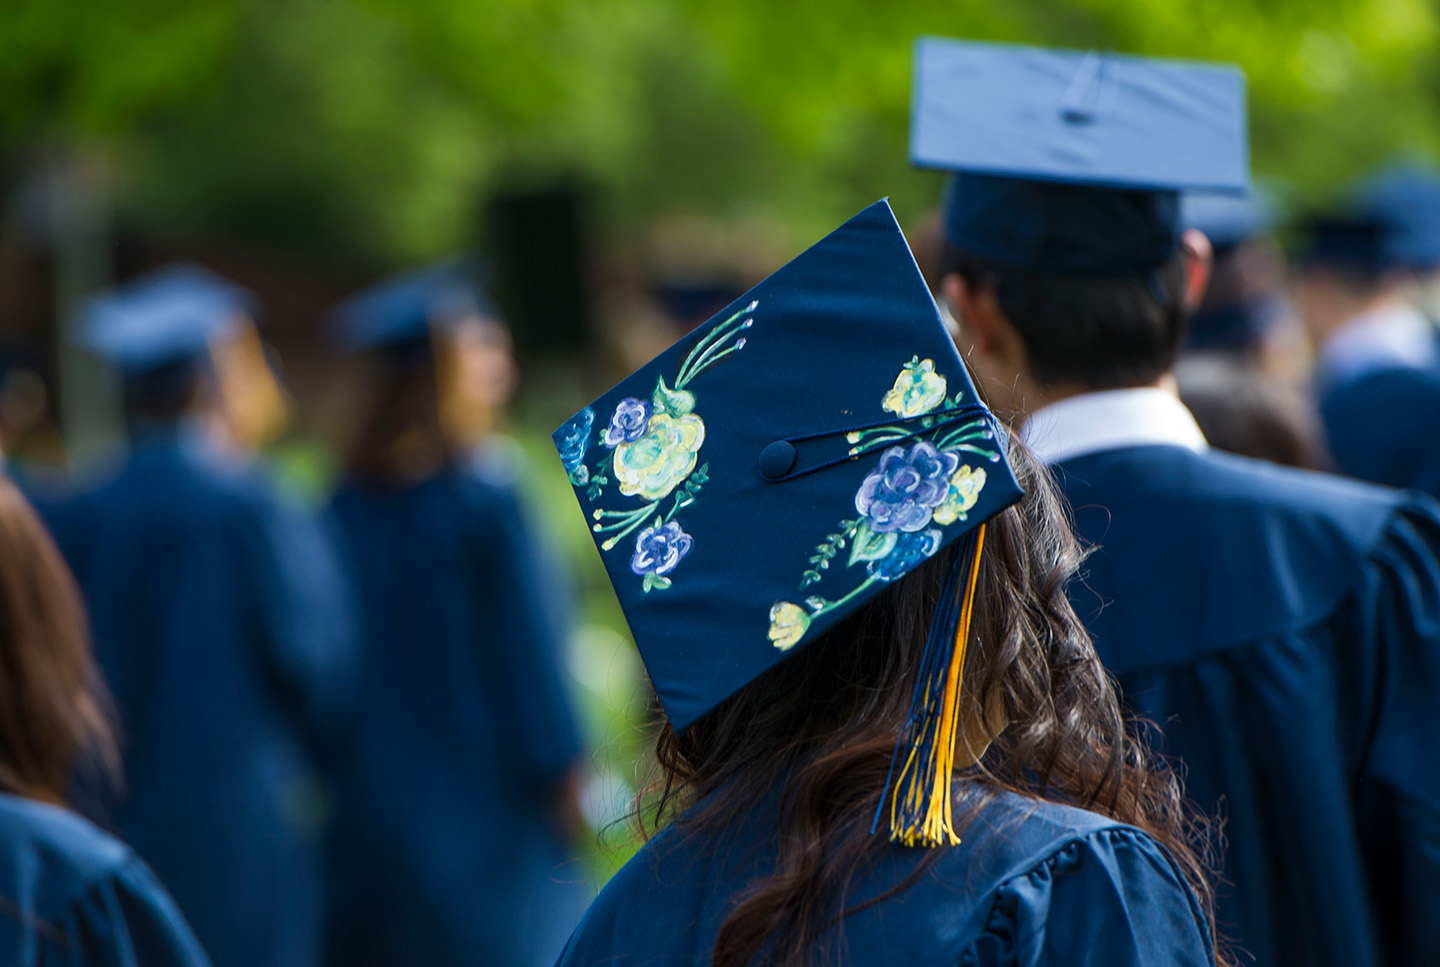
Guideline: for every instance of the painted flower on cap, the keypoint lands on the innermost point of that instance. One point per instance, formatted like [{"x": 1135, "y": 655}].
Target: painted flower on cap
[
  {"x": 909, "y": 552},
  {"x": 905, "y": 487},
  {"x": 629, "y": 422},
  {"x": 654, "y": 464},
  {"x": 788, "y": 624},
  {"x": 657, "y": 550},
  {"x": 918, "y": 389},
  {"x": 965, "y": 487},
  {"x": 573, "y": 441}
]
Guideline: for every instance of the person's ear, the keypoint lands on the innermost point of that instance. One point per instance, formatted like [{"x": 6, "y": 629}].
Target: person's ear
[
  {"x": 974, "y": 314},
  {"x": 1199, "y": 258}
]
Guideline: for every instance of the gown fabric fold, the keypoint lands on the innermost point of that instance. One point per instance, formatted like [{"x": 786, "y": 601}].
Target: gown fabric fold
[
  {"x": 72, "y": 896},
  {"x": 1384, "y": 427},
  {"x": 222, "y": 623},
  {"x": 1282, "y": 630},
  {"x": 1030, "y": 885}
]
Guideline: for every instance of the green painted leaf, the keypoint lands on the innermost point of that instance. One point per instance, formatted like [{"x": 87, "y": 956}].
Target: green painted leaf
[
  {"x": 674, "y": 402},
  {"x": 870, "y": 546}
]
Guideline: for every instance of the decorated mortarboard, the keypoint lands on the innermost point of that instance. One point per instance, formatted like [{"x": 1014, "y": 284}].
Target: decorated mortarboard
[
  {"x": 1072, "y": 161},
  {"x": 782, "y": 465},
  {"x": 407, "y": 308},
  {"x": 171, "y": 315}
]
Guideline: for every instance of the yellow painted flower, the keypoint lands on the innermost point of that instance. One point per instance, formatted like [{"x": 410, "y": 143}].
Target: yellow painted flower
[
  {"x": 659, "y": 461},
  {"x": 788, "y": 624},
  {"x": 918, "y": 389},
  {"x": 965, "y": 486}
]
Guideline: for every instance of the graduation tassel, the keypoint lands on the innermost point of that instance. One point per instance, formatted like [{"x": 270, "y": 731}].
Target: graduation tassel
[{"x": 925, "y": 755}]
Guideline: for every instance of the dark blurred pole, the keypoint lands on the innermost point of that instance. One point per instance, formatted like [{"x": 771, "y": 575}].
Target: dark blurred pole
[
  {"x": 73, "y": 191},
  {"x": 537, "y": 244}
]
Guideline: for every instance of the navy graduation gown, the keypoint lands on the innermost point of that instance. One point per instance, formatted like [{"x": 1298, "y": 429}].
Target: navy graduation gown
[
  {"x": 1033, "y": 884},
  {"x": 443, "y": 850},
  {"x": 1283, "y": 630},
  {"x": 1384, "y": 427},
  {"x": 76, "y": 897},
  {"x": 221, "y": 623}
]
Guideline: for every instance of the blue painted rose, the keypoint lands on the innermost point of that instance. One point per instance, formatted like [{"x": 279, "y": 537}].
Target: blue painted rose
[
  {"x": 909, "y": 552},
  {"x": 905, "y": 487},
  {"x": 629, "y": 422},
  {"x": 659, "y": 549},
  {"x": 574, "y": 439}
]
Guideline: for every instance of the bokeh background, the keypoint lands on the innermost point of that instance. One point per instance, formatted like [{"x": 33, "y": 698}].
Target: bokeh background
[{"x": 623, "y": 166}]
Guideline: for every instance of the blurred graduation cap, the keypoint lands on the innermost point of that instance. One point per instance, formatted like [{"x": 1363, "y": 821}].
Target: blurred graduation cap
[
  {"x": 172, "y": 315},
  {"x": 1229, "y": 220},
  {"x": 405, "y": 310},
  {"x": 1228, "y": 319},
  {"x": 1388, "y": 220},
  {"x": 745, "y": 499},
  {"x": 166, "y": 329},
  {"x": 1073, "y": 161}
]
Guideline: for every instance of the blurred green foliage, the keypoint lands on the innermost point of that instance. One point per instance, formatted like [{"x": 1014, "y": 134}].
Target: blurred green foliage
[{"x": 374, "y": 127}]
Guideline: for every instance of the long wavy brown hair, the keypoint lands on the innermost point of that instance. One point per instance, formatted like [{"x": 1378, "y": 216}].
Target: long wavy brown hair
[
  {"x": 823, "y": 725},
  {"x": 54, "y": 709}
]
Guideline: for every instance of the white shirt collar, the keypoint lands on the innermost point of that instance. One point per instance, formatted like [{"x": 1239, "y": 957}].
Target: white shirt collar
[
  {"x": 1108, "y": 420},
  {"x": 1392, "y": 336}
]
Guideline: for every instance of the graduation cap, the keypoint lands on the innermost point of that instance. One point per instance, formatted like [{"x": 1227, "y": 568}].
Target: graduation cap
[
  {"x": 780, "y": 467},
  {"x": 407, "y": 309},
  {"x": 170, "y": 316},
  {"x": 1229, "y": 220},
  {"x": 1403, "y": 201},
  {"x": 1073, "y": 161},
  {"x": 1346, "y": 240},
  {"x": 166, "y": 329},
  {"x": 1226, "y": 319}
]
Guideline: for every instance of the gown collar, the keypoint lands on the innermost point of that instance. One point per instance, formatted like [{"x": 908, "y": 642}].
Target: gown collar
[
  {"x": 1108, "y": 420},
  {"x": 1393, "y": 336}
]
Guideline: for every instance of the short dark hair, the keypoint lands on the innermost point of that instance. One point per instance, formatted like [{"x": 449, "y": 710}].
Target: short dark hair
[
  {"x": 165, "y": 393},
  {"x": 1103, "y": 332}
]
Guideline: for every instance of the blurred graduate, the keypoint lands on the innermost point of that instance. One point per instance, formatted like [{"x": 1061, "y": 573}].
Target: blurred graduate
[
  {"x": 1378, "y": 369},
  {"x": 72, "y": 894},
  {"x": 1281, "y": 627},
  {"x": 1243, "y": 369},
  {"x": 887, "y": 738},
  {"x": 456, "y": 790},
  {"x": 220, "y": 617}
]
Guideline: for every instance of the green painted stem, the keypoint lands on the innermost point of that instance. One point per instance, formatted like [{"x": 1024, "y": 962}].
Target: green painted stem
[{"x": 831, "y": 606}]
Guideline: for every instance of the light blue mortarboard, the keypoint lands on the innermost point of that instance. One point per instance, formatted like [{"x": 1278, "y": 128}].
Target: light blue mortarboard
[
  {"x": 1070, "y": 161},
  {"x": 168, "y": 316},
  {"x": 406, "y": 308}
]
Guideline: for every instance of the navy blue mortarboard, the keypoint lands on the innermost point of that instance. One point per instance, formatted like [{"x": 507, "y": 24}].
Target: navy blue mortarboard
[
  {"x": 1404, "y": 200},
  {"x": 406, "y": 308},
  {"x": 1347, "y": 240},
  {"x": 1070, "y": 161},
  {"x": 1388, "y": 220},
  {"x": 781, "y": 465},
  {"x": 1227, "y": 319},
  {"x": 169, "y": 316},
  {"x": 1229, "y": 220}
]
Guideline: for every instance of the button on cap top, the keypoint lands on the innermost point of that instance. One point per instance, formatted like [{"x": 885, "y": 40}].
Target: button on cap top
[{"x": 777, "y": 459}]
